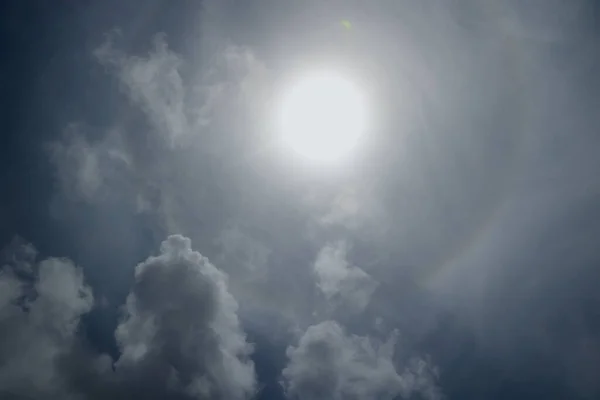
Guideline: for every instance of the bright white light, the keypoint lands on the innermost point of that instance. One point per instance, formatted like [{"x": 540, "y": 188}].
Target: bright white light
[{"x": 323, "y": 116}]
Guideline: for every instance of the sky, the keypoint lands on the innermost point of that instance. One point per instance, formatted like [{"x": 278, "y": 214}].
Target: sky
[{"x": 157, "y": 244}]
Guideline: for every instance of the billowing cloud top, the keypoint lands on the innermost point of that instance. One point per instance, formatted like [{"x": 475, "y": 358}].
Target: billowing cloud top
[
  {"x": 179, "y": 338},
  {"x": 181, "y": 327}
]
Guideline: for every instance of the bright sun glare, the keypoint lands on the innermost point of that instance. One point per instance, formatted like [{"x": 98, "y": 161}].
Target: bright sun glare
[{"x": 323, "y": 116}]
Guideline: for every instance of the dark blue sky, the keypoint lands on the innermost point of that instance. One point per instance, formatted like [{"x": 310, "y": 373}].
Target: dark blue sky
[{"x": 454, "y": 256}]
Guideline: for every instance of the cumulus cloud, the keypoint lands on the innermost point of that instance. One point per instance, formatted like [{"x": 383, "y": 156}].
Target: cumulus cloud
[
  {"x": 179, "y": 338},
  {"x": 181, "y": 330},
  {"x": 329, "y": 363},
  {"x": 340, "y": 281},
  {"x": 40, "y": 308}
]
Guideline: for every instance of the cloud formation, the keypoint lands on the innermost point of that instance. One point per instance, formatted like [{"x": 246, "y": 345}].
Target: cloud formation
[
  {"x": 179, "y": 338},
  {"x": 340, "y": 281},
  {"x": 154, "y": 83},
  {"x": 90, "y": 171},
  {"x": 483, "y": 106},
  {"x": 328, "y": 363},
  {"x": 181, "y": 328},
  {"x": 187, "y": 136},
  {"x": 180, "y": 103},
  {"x": 40, "y": 308}
]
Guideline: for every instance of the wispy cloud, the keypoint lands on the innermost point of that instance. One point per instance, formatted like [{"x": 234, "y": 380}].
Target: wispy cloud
[
  {"x": 180, "y": 103},
  {"x": 340, "y": 281},
  {"x": 154, "y": 83},
  {"x": 88, "y": 170}
]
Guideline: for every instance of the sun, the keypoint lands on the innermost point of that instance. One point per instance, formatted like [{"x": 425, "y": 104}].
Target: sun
[{"x": 323, "y": 115}]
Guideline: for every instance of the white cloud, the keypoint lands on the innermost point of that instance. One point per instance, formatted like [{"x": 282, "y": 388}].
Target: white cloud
[
  {"x": 340, "y": 281},
  {"x": 181, "y": 329},
  {"x": 153, "y": 82},
  {"x": 329, "y": 363},
  {"x": 180, "y": 335},
  {"x": 203, "y": 119},
  {"x": 178, "y": 102},
  {"x": 39, "y": 316}
]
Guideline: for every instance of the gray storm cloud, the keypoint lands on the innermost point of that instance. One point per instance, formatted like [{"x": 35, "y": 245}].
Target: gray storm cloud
[{"x": 329, "y": 363}]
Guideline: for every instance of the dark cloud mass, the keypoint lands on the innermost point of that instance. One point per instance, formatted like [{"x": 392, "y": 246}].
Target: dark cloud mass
[{"x": 452, "y": 255}]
